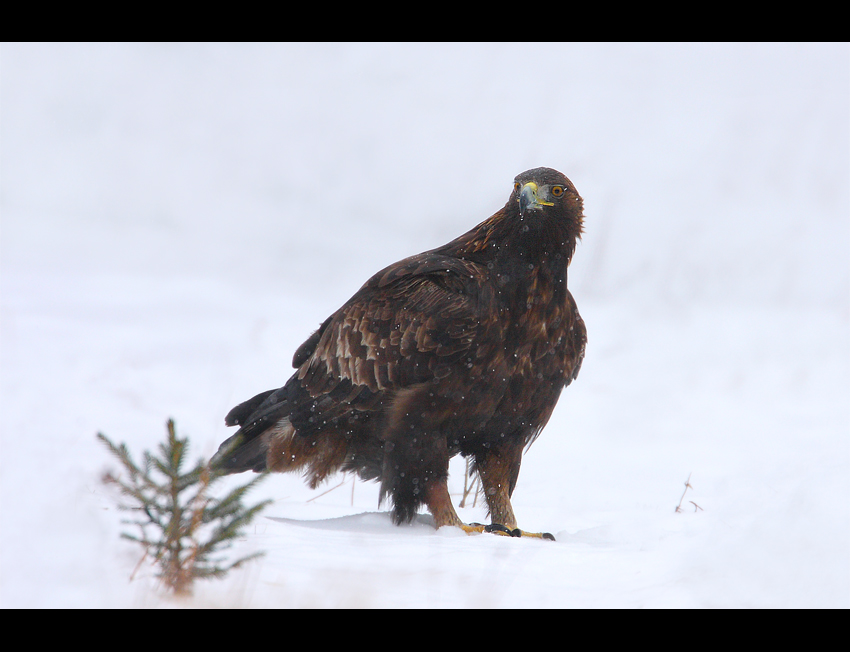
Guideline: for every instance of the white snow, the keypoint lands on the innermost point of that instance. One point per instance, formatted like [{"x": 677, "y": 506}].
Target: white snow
[{"x": 176, "y": 219}]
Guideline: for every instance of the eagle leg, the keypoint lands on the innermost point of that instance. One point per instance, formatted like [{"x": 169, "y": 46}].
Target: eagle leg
[
  {"x": 439, "y": 503},
  {"x": 499, "y": 470}
]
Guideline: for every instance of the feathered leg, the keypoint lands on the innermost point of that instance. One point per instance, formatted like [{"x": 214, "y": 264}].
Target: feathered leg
[
  {"x": 499, "y": 470},
  {"x": 439, "y": 503}
]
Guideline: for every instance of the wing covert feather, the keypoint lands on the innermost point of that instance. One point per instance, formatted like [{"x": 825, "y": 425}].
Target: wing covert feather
[{"x": 406, "y": 325}]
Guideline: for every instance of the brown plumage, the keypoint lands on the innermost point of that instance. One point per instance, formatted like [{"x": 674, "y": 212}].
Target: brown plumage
[{"x": 463, "y": 349}]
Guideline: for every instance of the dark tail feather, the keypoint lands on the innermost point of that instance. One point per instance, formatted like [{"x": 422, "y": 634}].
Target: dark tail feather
[
  {"x": 242, "y": 412},
  {"x": 246, "y": 450},
  {"x": 238, "y": 453}
]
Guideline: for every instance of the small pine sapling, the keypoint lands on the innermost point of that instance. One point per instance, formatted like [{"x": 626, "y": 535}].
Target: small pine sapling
[{"x": 182, "y": 527}]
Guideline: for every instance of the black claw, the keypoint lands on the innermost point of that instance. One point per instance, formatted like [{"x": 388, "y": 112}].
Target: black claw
[
  {"x": 548, "y": 536},
  {"x": 497, "y": 527},
  {"x": 516, "y": 533}
]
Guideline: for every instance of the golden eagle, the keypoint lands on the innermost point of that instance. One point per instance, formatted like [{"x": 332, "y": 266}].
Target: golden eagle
[{"x": 463, "y": 349}]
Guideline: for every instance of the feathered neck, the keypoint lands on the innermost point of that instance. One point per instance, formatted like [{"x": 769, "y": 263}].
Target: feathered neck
[{"x": 539, "y": 237}]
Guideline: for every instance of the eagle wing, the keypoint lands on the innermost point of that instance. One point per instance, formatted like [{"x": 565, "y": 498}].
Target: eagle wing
[
  {"x": 577, "y": 342},
  {"x": 410, "y": 323}
]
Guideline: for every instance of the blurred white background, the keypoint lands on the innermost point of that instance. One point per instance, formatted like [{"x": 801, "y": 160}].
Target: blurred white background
[{"x": 176, "y": 219}]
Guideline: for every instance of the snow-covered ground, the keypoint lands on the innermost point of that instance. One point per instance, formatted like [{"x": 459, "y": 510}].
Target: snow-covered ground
[{"x": 176, "y": 219}]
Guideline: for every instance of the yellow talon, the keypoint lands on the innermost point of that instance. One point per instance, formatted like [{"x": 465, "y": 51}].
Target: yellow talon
[{"x": 537, "y": 535}]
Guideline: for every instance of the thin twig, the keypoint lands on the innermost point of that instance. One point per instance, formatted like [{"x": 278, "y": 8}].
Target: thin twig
[
  {"x": 470, "y": 486},
  {"x": 687, "y": 486},
  {"x": 344, "y": 480}
]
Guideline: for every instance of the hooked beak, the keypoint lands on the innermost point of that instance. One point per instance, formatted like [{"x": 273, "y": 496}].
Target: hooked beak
[{"x": 529, "y": 198}]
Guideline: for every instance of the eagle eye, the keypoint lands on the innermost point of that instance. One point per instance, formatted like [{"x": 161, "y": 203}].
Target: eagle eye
[
  {"x": 557, "y": 191},
  {"x": 517, "y": 185}
]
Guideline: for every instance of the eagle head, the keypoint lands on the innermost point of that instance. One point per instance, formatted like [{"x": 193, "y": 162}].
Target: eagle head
[{"x": 549, "y": 191}]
